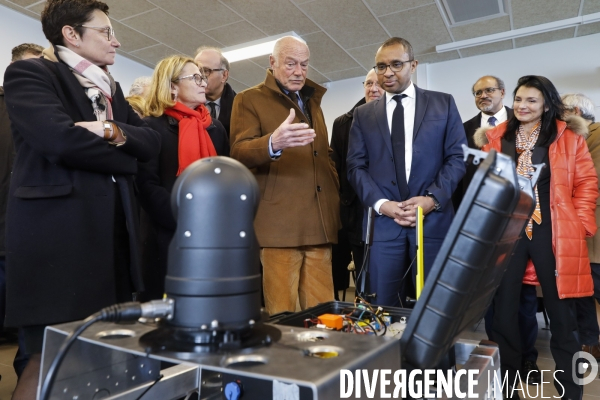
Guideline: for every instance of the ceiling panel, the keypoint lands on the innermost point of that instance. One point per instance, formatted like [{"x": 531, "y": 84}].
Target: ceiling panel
[
  {"x": 119, "y": 9},
  {"x": 343, "y": 35},
  {"x": 591, "y": 6},
  {"x": 237, "y": 86},
  {"x": 247, "y": 72},
  {"x": 167, "y": 29},
  {"x": 354, "y": 13},
  {"x": 236, "y": 33},
  {"x": 588, "y": 29},
  {"x": 37, "y": 8},
  {"x": 535, "y": 12},
  {"x": 366, "y": 54},
  {"x": 316, "y": 76},
  {"x": 487, "y": 48},
  {"x": 349, "y": 73},
  {"x": 24, "y": 3},
  {"x": 437, "y": 57},
  {"x": 327, "y": 56},
  {"x": 545, "y": 37},
  {"x": 130, "y": 39},
  {"x": 481, "y": 28},
  {"x": 278, "y": 12},
  {"x": 423, "y": 27},
  {"x": 202, "y": 15},
  {"x": 155, "y": 53},
  {"x": 383, "y": 7}
]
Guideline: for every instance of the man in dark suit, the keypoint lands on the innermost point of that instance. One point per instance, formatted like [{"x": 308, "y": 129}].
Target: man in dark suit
[
  {"x": 489, "y": 93},
  {"x": 219, "y": 94},
  {"x": 404, "y": 151}
]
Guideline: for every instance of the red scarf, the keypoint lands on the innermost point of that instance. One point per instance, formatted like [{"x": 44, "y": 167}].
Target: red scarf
[{"x": 194, "y": 142}]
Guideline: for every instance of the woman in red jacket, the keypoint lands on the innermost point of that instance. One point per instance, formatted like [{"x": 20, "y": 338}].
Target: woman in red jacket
[{"x": 554, "y": 238}]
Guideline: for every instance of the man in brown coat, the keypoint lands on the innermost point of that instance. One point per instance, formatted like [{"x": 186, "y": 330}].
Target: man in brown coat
[
  {"x": 278, "y": 131},
  {"x": 587, "y": 321}
]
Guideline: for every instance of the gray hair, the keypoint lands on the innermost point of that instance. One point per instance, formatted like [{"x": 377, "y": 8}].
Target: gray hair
[
  {"x": 224, "y": 61},
  {"x": 585, "y": 105},
  {"x": 499, "y": 82},
  {"x": 137, "y": 87}
]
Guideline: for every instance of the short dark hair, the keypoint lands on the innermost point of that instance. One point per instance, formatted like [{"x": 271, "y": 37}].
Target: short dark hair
[
  {"x": 75, "y": 13},
  {"x": 552, "y": 101},
  {"x": 19, "y": 51},
  {"x": 403, "y": 42}
]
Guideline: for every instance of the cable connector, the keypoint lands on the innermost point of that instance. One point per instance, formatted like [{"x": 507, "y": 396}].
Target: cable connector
[{"x": 158, "y": 309}]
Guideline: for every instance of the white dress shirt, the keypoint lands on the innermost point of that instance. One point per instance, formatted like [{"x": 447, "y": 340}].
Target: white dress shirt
[
  {"x": 409, "y": 104},
  {"x": 501, "y": 116}
]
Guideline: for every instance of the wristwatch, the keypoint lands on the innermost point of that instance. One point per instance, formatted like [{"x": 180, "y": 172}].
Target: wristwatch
[
  {"x": 107, "y": 128},
  {"x": 436, "y": 203}
]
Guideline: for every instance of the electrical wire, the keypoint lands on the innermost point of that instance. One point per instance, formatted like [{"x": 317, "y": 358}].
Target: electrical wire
[{"x": 150, "y": 387}]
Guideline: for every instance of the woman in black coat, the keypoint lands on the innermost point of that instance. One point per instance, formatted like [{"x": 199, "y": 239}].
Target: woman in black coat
[
  {"x": 175, "y": 108},
  {"x": 72, "y": 244}
]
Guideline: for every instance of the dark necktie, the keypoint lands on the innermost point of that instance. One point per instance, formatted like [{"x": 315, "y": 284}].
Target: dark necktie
[
  {"x": 398, "y": 145},
  {"x": 213, "y": 110},
  {"x": 294, "y": 97},
  {"x": 492, "y": 121}
]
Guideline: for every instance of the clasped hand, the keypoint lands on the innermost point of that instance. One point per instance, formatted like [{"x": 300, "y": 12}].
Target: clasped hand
[
  {"x": 404, "y": 213},
  {"x": 292, "y": 135}
]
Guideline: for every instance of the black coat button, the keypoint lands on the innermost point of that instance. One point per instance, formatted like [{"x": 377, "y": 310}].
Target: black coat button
[
  {"x": 318, "y": 188},
  {"x": 393, "y": 183},
  {"x": 315, "y": 153}
]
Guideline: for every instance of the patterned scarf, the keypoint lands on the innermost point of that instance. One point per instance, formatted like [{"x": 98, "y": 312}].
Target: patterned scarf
[
  {"x": 525, "y": 147},
  {"x": 194, "y": 141},
  {"x": 97, "y": 82}
]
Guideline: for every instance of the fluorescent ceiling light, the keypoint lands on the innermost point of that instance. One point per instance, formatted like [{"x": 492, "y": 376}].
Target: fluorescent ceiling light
[
  {"x": 255, "y": 48},
  {"x": 530, "y": 30}
]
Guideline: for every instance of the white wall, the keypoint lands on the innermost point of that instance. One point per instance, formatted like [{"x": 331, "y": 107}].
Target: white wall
[
  {"x": 573, "y": 65},
  {"x": 16, "y": 28}
]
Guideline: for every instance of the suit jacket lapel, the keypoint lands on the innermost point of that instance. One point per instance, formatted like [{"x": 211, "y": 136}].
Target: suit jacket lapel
[
  {"x": 420, "y": 108},
  {"x": 382, "y": 122}
]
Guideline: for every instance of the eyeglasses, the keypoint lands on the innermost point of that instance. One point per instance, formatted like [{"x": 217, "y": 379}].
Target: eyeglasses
[
  {"x": 395, "y": 66},
  {"x": 488, "y": 91},
  {"x": 196, "y": 77},
  {"x": 370, "y": 84},
  {"x": 208, "y": 71},
  {"x": 110, "y": 32}
]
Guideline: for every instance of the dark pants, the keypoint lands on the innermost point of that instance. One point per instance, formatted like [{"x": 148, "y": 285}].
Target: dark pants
[
  {"x": 563, "y": 324},
  {"x": 587, "y": 320},
  {"x": 2, "y": 289},
  {"x": 389, "y": 262},
  {"x": 528, "y": 325}
]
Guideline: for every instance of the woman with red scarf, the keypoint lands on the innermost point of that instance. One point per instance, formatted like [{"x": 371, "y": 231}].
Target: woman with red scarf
[{"x": 175, "y": 108}]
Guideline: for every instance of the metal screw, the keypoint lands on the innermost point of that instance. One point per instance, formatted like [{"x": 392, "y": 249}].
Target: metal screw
[
  {"x": 217, "y": 170},
  {"x": 251, "y": 322},
  {"x": 242, "y": 234},
  {"x": 243, "y": 197},
  {"x": 203, "y": 326},
  {"x": 187, "y": 234},
  {"x": 133, "y": 378},
  {"x": 149, "y": 372},
  {"x": 214, "y": 324},
  {"x": 65, "y": 390},
  {"x": 107, "y": 376},
  {"x": 141, "y": 365},
  {"x": 117, "y": 384},
  {"x": 189, "y": 196}
]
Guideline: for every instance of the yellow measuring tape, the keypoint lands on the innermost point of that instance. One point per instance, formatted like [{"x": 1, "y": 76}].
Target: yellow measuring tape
[{"x": 420, "y": 249}]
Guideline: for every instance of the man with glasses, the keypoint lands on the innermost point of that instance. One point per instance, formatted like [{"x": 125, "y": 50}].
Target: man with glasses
[
  {"x": 219, "y": 93},
  {"x": 350, "y": 243},
  {"x": 278, "y": 130},
  {"x": 404, "y": 152}
]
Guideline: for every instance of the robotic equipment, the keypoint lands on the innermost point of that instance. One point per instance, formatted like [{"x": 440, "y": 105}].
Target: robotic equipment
[{"x": 211, "y": 340}]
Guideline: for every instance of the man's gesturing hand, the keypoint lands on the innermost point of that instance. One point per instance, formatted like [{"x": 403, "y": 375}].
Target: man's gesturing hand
[{"x": 291, "y": 135}]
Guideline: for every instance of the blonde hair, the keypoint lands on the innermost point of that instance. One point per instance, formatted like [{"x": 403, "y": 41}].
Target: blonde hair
[
  {"x": 138, "y": 104},
  {"x": 159, "y": 98}
]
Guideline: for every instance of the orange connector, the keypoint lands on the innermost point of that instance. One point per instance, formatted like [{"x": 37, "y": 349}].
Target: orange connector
[{"x": 332, "y": 321}]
